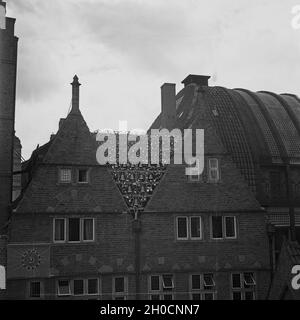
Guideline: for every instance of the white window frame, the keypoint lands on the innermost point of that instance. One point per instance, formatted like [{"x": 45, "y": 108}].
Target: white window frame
[
  {"x": 202, "y": 290},
  {"x": 64, "y": 294},
  {"x": 189, "y": 228},
  {"x": 98, "y": 287},
  {"x": 60, "y": 175},
  {"x": 235, "y": 227},
  {"x": 73, "y": 286},
  {"x": 210, "y": 169},
  {"x": 197, "y": 177},
  {"x": 162, "y": 292},
  {"x": 123, "y": 294},
  {"x": 224, "y": 237},
  {"x": 82, "y": 229},
  {"x": 80, "y": 238},
  {"x": 65, "y": 230},
  {"x": 242, "y": 290}
]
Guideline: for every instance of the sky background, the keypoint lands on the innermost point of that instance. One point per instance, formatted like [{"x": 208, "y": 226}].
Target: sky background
[{"x": 124, "y": 50}]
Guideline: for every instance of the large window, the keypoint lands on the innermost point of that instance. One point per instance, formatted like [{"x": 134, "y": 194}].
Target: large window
[
  {"x": 213, "y": 170},
  {"x": 202, "y": 286},
  {"x": 120, "y": 288},
  {"x": 73, "y": 229},
  {"x": 161, "y": 287},
  {"x": 243, "y": 286},
  {"x": 78, "y": 287},
  {"x": 189, "y": 228},
  {"x": 223, "y": 227}
]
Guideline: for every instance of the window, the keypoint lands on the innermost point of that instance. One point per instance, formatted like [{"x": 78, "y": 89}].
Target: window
[
  {"x": 196, "y": 175},
  {"x": 213, "y": 170},
  {"x": 161, "y": 287},
  {"x": 64, "y": 288},
  {"x": 35, "y": 289},
  {"x": 189, "y": 228},
  {"x": 82, "y": 176},
  {"x": 223, "y": 227},
  {"x": 182, "y": 228},
  {"x": 59, "y": 230},
  {"x": 92, "y": 286},
  {"x": 202, "y": 286},
  {"x": 78, "y": 287},
  {"x": 88, "y": 229},
  {"x": 65, "y": 175},
  {"x": 120, "y": 288},
  {"x": 243, "y": 286},
  {"x": 73, "y": 230}
]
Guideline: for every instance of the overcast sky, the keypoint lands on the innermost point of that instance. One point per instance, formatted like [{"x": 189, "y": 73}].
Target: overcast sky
[{"x": 123, "y": 51}]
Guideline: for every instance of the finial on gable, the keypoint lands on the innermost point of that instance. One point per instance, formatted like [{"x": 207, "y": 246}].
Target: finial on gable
[{"x": 75, "y": 94}]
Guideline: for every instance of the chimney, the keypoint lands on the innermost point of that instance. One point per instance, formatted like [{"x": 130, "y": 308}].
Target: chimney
[
  {"x": 2, "y": 15},
  {"x": 196, "y": 79},
  {"x": 75, "y": 95},
  {"x": 168, "y": 105}
]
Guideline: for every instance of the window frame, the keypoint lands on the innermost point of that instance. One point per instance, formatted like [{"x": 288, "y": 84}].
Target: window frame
[
  {"x": 41, "y": 296},
  {"x": 70, "y": 288},
  {"x": 188, "y": 220},
  {"x": 224, "y": 237},
  {"x": 162, "y": 292},
  {"x": 202, "y": 291},
  {"x": 123, "y": 294},
  {"x": 235, "y": 227},
  {"x": 87, "y": 175},
  {"x": 190, "y": 228},
  {"x": 243, "y": 289},
  {"x": 187, "y": 228},
  {"x": 82, "y": 229},
  {"x": 209, "y": 169},
  {"x": 73, "y": 286},
  {"x": 65, "y": 230},
  {"x": 87, "y": 287},
  {"x": 60, "y": 181}
]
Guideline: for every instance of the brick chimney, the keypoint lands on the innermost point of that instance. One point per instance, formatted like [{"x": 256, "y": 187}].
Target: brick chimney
[
  {"x": 196, "y": 79},
  {"x": 75, "y": 95},
  {"x": 168, "y": 105},
  {"x": 8, "y": 69}
]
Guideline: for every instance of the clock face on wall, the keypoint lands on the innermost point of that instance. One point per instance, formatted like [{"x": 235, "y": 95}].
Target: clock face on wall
[{"x": 31, "y": 259}]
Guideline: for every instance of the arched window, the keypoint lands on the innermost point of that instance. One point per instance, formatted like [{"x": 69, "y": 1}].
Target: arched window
[{"x": 2, "y": 278}]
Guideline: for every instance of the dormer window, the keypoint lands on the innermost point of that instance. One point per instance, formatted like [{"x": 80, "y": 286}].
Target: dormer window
[
  {"x": 82, "y": 176},
  {"x": 65, "y": 175},
  {"x": 213, "y": 170}
]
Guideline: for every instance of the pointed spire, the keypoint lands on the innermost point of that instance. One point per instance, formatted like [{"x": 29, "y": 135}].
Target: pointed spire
[{"x": 75, "y": 95}]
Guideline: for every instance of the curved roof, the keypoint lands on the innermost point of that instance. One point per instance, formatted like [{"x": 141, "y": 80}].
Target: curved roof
[{"x": 256, "y": 128}]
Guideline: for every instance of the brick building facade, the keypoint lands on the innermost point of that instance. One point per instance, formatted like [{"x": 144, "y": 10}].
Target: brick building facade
[{"x": 80, "y": 230}]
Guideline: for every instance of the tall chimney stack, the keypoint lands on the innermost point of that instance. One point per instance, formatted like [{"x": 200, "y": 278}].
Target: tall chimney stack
[
  {"x": 8, "y": 69},
  {"x": 168, "y": 105},
  {"x": 75, "y": 94}
]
